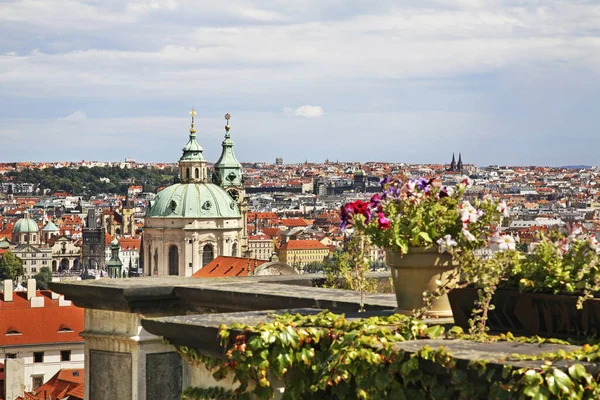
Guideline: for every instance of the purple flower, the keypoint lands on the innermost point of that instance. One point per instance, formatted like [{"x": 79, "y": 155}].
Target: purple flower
[
  {"x": 375, "y": 201},
  {"x": 384, "y": 181},
  {"x": 422, "y": 183}
]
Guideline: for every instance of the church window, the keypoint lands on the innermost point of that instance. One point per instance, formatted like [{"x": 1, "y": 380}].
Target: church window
[
  {"x": 234, "y": 250},
  {"x": 156, "y": 260},
  {"x": 187, "y": 173},
  {"x": 149, "y": 261},
  {"x": 197, "y": 173},
  {"x": 207, "y": 254},
  {"x": 173, "y": 260}
]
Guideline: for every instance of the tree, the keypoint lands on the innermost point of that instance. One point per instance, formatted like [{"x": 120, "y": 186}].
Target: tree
[
  {"x": 11, "y": 266},
  {"x": 43, "y": 277},
  {"x": 313, "y": 267},
  {"x": 347, "y": 268}
]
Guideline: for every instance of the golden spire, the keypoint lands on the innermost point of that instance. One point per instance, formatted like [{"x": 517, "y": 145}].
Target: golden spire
[
  {"x": 193, "y": 114},
  {"x": 227, "y": 117}
]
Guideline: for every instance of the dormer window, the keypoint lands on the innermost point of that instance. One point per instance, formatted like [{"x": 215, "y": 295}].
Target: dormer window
[
  {"x": 11, "y": 331},
  {"x": 64, "y": 328}
]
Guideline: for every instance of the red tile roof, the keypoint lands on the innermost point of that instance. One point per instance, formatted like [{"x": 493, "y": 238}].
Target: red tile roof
[
  {"x": 294, "y": 222},
  {"x": 224, "y": 266},
  {"x": 48, "y": 324},
  {"x": 303, "y": 245},
  {"x": 65, "y": 383}
]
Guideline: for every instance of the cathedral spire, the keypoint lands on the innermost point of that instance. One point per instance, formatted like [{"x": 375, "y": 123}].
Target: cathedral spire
[{"x": 228, "y": 170}]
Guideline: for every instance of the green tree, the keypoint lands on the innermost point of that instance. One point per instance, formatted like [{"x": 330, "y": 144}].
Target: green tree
[
  {"x": 347, "y": 268},
  {"x": 313, "y": 267},
  {"x": 43, "y": 277},
  {"x": 11, "y": 266}
]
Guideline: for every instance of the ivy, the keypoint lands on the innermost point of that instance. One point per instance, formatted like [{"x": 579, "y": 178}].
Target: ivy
[{"x": 327, "y": 356}]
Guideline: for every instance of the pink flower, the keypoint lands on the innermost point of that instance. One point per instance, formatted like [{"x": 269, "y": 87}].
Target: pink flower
[{"x": 383, "y": 222}]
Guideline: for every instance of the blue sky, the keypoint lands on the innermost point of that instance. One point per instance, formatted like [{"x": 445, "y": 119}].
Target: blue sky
[{"x": 505, "y": 82}]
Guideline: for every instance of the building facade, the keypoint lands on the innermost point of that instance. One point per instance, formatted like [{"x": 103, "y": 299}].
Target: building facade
[{"x": 190, "y": 223}]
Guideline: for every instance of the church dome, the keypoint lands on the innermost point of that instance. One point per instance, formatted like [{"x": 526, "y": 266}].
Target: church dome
[
  {"x": 50, "y": 227},
  {"x": 26, "y": 225},
  {"x": 193, "y": 200}
]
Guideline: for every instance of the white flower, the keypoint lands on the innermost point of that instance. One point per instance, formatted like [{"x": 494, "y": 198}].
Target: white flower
[
  {"x": 503, "y": 208},
  {"x": 446, "y": 243},
  {"x": 593, "y": 242},
  {"x": 468, "y": 235},
  {"x": 572, "y": 229},
  {"x": 466, "y": 182},
  {"x": 507, "y": 242},
  {"x": 488, "y": 197},
  {"x": 496, "y": 238},
  {"x": 410, "y": 185},
  {"x": 469, "y": 213}
]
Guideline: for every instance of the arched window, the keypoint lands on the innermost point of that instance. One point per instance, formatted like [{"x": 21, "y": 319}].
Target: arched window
[
  {"x": 197, "y": 173},
  {"x": 234, "y": 250},
  {"x": 155, "y": 264},
  {"x": 149, "y": 261},
  {"x": 207, "y": 254},
  {"x": 173, "y": 260},
  {"x": 187, "y": 173}
]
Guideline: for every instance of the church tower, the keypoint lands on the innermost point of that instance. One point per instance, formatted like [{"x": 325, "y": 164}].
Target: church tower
[
  {"x": 453, "y": 163},
  {"x": 192, "y": 164},
  {"x": 459, "y": 166},
  {"x": 228, "y": 174}
]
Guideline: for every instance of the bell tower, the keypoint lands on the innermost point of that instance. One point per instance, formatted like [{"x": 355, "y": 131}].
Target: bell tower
[
  {"x": 192, "y": 164},
  {"x": 228, "y": 174}
]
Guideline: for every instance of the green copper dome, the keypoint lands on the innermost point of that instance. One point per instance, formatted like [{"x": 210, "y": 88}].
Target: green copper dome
[
  {"x": 26, "y": 225},
  {"x": 50, "y": 227},
  {"x": 193, "y": 200}
]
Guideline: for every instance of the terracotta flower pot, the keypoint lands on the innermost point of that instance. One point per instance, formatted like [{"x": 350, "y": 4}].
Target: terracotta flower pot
[{"x": 417, "y": 271}]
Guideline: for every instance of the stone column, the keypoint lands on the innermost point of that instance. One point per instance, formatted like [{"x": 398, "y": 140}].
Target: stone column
[{"x": 124, "y": 361}]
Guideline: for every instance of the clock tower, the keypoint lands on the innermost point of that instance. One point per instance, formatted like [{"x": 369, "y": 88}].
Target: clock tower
[{"x": 228, "y": 174}]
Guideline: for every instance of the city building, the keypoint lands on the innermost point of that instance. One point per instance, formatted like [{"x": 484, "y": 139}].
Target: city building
[
  {"x": 39, "y": 335},
  {"x": 92, "y": 252},
  {"x": 190, "y": 223},
  {"x": 298, "y": 253}
]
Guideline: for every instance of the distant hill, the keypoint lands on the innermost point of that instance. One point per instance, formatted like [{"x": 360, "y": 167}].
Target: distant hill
[{"x": 576, "y": 166}]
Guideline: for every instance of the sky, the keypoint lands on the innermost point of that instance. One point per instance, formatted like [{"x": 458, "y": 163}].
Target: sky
[{"x": 504, "y": 82}]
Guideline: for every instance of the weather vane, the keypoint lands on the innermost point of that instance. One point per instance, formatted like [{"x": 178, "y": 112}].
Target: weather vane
[
  {"x": 193, "y": 114},
  {"x": 227, "y": 117}
]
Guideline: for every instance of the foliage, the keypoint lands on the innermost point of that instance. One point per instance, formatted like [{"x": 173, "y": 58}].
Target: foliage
[
  {"x": 347, "y": 267},
  {"x": 11, "y": 266},
  {"x": 313, "y": 267},
  {"x": 85, "y": 181},
  {"x": 43, "y": 277},
  {"x": 325, "y": 356},
  {"x": 565, "y": 262},
  {"x": 421, "y": 214}
]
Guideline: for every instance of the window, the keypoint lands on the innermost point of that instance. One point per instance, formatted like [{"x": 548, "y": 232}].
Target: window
[
  {"x": 44, "y": 255},
  {"x": 33, "y": 269},
  {"x": 173, "y": 261},
  {"x": 37, "y": 380},
  {"x": 207, "y": 254},
  {"x": 11, "y": 355},
  {"x": 44, "y": 262},
  {"x": 65, "y": 355},
  {"x": 38, "y": 357},
  {"x": 33, "y": 262}
]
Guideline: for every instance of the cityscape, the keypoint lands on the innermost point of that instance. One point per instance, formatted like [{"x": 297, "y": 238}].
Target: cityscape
[{"x": 292, "y": 200}]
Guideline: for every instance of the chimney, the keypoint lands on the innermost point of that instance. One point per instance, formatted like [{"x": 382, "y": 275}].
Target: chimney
[
  {"x": 7, "y": 290},
  {"x": 30, "y": 288}
]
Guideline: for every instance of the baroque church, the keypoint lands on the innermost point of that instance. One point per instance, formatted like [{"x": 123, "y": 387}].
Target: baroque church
[{"x": 190, "y": 223}]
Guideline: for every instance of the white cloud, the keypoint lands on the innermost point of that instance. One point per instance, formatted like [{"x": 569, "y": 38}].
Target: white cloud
[
  {"x": 305, "y": 111},
  {"x": 77, "y": 116}
]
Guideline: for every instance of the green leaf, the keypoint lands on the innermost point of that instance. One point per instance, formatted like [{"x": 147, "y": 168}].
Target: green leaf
[
  {"x": 434, "y": 331},
  {"x": 425, "y": 237}
]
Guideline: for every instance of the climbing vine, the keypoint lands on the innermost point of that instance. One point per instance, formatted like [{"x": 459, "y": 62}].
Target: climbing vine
[{"x": 327, "y": 356}]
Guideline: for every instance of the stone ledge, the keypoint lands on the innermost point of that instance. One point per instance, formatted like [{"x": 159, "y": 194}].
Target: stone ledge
[
  {"x": 181, "y": 295},
  {"x": 201, "y": 333}
]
